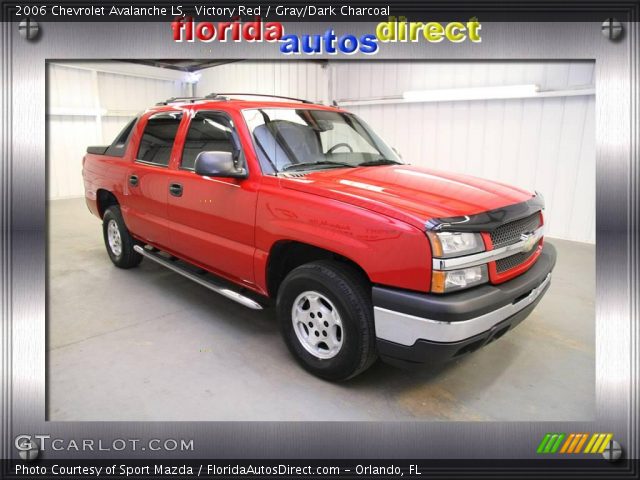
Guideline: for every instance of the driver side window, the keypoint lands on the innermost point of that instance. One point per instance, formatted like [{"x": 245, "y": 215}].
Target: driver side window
[
  {"x": 208, "y": 132},
  {"x": 341, "y": 133}
]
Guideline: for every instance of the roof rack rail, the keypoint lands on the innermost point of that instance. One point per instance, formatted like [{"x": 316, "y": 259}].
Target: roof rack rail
[
  {"x": 212, "y": 96},
  {"x": 180, "y": 99}
]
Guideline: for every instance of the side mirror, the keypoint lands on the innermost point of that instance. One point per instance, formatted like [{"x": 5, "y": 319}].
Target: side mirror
[{"x": 218, "y": 164}]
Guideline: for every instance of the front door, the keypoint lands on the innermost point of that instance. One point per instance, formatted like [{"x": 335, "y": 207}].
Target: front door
[{"x": 212, "y": 220}]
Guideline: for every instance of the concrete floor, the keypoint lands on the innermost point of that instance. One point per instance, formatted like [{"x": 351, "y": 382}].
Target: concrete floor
[{"x": 147, "y": 344}]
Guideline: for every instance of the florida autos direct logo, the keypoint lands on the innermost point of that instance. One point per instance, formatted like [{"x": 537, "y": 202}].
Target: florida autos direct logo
[{"x": 185, "y": 29}]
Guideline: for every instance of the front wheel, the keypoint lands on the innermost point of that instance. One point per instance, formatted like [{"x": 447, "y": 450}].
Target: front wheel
[
  {"x": 118, "y": 240},
  {"x": 326, "y": 318}
]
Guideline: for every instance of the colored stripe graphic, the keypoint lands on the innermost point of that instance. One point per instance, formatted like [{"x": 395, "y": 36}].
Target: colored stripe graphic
[
  {"x": 594, "y": 437},
  {"x": 573, "y": 443},
  {"x": 576, "y": 439},
  {"x": 547, "y": 448},
  {"x": 555, "y": 447},
  {"x": 606, "y": 441},
  {"x": 567, "y": 443},
  {"x": 543, "y": 443},
  {"x": 596, "y": 446},
  {"x": 581, "y": 442},
  {"x": 550, "y": 443}
]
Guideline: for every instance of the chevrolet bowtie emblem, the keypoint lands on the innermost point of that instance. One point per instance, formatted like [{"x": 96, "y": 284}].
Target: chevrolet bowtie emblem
[{"x": 530, "y": 239}]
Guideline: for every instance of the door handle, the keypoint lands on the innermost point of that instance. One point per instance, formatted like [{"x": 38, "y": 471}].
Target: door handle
[
  {"x": 175, "y": 189},
  {"x": 133, "y": 180}
]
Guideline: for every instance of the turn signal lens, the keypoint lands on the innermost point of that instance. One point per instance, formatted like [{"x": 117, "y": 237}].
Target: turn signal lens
[
  {"x": 447, "y": 281},
  {"x": 437, "y": 281}
]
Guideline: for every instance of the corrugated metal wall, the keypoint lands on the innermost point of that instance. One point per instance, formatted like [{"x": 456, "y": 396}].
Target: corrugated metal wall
[
  {"x": 85, "y": 107},
  {"x": 539, "y": 144},
  {"x": 299, "y": 79}
]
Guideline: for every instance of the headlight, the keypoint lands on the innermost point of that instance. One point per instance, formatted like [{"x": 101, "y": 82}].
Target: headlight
[
  {"x": 455, "y": 244},
  {"x": 447, "y": 281}
]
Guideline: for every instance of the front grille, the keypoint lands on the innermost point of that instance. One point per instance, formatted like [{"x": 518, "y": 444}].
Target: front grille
[
  {"x": 513, "y": 261},
  {"x": 510, "y": 232}
]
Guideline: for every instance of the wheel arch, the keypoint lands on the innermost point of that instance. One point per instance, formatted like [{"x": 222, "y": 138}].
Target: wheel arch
[
  {"x": 285, "y": 255},
  {"x": 105, "y": 199}
]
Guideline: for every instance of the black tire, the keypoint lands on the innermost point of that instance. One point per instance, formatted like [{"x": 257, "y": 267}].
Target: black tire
[
  {"x": 126, "y": 257},
  {"x": 350, "y": 294}
]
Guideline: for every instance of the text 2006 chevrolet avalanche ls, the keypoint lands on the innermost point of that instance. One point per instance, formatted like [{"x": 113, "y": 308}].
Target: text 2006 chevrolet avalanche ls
[{"x": 305, "y": 205}]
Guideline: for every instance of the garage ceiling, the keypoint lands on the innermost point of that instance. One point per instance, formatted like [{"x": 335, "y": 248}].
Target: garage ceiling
[
  {"x": 191, "y": 65},
  {"x": 183, "y": 65}
]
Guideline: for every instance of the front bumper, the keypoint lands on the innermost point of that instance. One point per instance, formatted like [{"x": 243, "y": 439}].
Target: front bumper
[{"x": 413, "y": 328}]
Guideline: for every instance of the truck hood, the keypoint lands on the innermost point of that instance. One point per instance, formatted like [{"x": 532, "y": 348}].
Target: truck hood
[{"x": 411, "y": 194}]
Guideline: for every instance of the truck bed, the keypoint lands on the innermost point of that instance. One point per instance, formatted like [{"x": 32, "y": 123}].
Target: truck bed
[{"x": 98, "y": 149}]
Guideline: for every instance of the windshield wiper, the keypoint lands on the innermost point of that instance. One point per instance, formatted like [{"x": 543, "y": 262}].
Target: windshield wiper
[
  {"x": 298, "y": 166},
  {"x": 379, "y": 161}
]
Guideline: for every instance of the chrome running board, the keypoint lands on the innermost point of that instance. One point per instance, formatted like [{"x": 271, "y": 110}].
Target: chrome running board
[{"x": 205, "y": 282}]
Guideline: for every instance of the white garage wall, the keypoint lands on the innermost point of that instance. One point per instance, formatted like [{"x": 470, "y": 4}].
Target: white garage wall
[
  {"x": 88, "y": 104},
  {"x": 538, "y": 144},
  {"x": 298, "y": 79}
]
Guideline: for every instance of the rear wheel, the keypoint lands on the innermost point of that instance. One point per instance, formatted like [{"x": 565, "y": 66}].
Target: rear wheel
[
  {"x": 118, "y": 240},
  {"x": 326, "y": 318}
]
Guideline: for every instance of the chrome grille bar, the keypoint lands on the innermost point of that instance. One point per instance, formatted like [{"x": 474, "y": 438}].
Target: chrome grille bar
[{"x": 490, "y": 255}]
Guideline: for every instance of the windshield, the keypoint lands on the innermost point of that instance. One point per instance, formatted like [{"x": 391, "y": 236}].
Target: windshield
[{"x": 289, "y": 139}]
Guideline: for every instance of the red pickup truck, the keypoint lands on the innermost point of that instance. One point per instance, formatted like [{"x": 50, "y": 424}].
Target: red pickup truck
[{"x": 284, "y": 201}]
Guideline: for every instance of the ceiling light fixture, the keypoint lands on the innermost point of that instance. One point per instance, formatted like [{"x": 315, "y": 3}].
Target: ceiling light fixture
[{"x": 472, "y": 93}]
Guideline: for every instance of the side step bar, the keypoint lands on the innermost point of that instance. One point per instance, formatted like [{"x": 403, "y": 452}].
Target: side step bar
[{"x": 205, "y": 282}]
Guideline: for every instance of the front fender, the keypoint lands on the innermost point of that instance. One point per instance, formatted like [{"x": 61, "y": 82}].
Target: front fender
[{"x": 390, "y": 251}]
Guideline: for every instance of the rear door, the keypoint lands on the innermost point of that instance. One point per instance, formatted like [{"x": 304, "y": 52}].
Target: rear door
[
  {"x": 212, "y": 220},
  {"x": 146, "y": 185}
]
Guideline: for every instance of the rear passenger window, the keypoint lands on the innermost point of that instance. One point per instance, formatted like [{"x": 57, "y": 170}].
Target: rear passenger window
[
  {"x": 208, "y": 132},
  {"x": 157, "y": 139}
]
